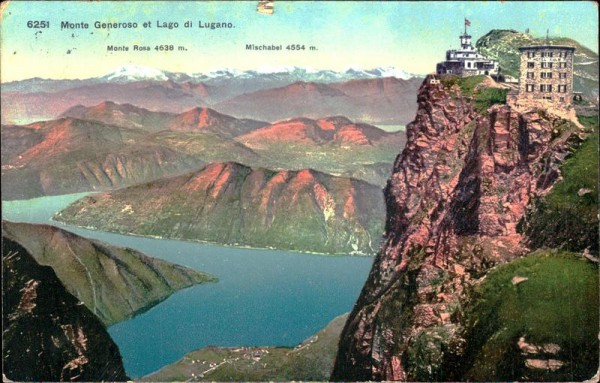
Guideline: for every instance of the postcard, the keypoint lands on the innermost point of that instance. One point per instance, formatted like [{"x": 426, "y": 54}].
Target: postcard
[{"x": 299, "y": 191}]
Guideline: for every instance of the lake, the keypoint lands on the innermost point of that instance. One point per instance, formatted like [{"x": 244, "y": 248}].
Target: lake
[
  {"x": 392, "y": 128},
  {"x": 263, "y": 297}
]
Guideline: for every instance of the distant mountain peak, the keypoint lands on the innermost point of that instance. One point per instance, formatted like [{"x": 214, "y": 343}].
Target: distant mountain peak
[{"x": 135, "y": 73}]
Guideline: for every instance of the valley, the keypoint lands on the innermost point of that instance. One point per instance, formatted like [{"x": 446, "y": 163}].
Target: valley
[{"x": 262, "y": 297}]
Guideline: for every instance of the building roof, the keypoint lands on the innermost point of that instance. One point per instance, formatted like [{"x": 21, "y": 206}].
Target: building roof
[{"x": 531, "y": 47}]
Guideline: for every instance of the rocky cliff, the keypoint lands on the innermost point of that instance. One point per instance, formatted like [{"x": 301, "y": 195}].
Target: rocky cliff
[
  {"x": 233, "y": 204},
  {"x": 454, "y": 203},
  {"x": 48, "y": 335},
  {"x": 114, "y": 283}
]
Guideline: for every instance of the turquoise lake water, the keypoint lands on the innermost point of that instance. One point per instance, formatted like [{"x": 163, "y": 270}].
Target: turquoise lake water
[{"x": 263, "y": 297}]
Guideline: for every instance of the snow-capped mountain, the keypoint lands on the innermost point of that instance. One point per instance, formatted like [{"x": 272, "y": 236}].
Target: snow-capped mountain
[
  {"x": 248, "y": 80},
  {"x": 130, "y": 73}
]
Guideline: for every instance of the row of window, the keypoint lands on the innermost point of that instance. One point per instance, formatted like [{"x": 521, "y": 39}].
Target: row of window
[
  {"x": 531, "y": 75},
  {"x": 549, "y": 98},
  {"x": 547, "y": 65},
  {"x": 546, "y": 88},
  {"x": 548, "y": 54}
]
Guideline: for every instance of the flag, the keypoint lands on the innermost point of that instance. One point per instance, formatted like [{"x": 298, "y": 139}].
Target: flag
[{"x": 467, "y": 22}]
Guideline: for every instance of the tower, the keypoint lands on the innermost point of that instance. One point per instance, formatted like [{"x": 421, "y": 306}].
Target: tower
[{"x": 465, "y": 41}]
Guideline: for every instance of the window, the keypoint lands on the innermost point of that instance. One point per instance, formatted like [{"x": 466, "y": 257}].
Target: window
[
  {"x": 529, "y": 88},
  {"x": 530, "y": 54},
  {"x": 561, "y": 65},
  {"x": 546, "y": 74},
  {"x": 562, "y": 99},
  {"x": 546, "y": 88},
  {"x": 530, "y": 64},
  {"x": 549, "y": 98},
  {"x": 562, "y": 75},
  {"x": 546, "y": 64},
  {"x": 530, "y": 75},
  {"x": 546, "y": 54},
  {"x": 468, "y": 64},
  {"x": 562, "y": 89}
]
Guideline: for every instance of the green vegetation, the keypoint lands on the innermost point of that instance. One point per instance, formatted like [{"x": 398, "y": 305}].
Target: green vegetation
[
  {"x": 467, "y": 84},
  {"x": 557, "y": 304},
  {"x": 567, "y": 217},
  {"x": 426, "y": 355},
  {"x": 487, "y": 97},
  {"x": 310, "y": 361},
  {"x": 483, "y": 97}
]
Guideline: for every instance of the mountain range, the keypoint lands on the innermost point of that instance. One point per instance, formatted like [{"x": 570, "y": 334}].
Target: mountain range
[
  {"x": 109, "y": 145},
  {"x": 382, "y": 100},
  {"x": 135, "y": 73},
  {"x": 41, "y": 99}
]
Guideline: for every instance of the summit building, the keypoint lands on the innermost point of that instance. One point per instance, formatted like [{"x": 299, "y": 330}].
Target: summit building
[
  {"x": 546, "y": 75},
  {"x": 467, "y": 61}
]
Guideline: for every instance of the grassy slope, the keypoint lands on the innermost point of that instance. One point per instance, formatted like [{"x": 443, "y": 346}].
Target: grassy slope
[
  {"x": 565, "y": 219},
  {"x": 310, "y": 361},
  {"x": 557, "y": 304}
]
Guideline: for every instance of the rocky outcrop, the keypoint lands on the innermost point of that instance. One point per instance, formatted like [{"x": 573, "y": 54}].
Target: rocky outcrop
[
  {"x": 454, "y": 202},
  {"x": 48, "y": 335},
  {"x": 114, "y": 283},
  {"x": 233, "y": 204},
  {"x": 208, "y": 119},
  {"x": 337, "y": 130}
]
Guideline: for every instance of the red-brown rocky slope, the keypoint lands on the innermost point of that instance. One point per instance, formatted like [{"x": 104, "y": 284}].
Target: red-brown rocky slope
[{"x": 454, "y": 200}]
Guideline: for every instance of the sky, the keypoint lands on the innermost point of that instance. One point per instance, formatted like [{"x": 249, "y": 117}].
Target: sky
[{"x": 412, "y": 36}]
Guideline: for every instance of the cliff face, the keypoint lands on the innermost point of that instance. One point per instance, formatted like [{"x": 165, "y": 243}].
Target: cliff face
[
  {"x": 114, "y": 283},
  {"x": 47, "y": 334},
  {"x": 233, "y": 204},
  {"x": 454, "y": 201}
]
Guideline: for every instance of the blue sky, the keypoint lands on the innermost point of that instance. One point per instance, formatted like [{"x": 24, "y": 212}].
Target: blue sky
[{"x": 409, "y": 35}]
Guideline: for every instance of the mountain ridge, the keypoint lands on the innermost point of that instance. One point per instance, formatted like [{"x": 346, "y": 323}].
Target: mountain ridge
[
  {"x": 114, "y": 283},
  {"x": 232, "y": 204}
]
